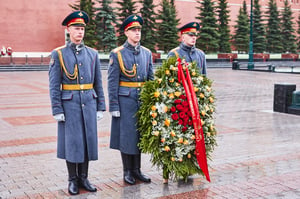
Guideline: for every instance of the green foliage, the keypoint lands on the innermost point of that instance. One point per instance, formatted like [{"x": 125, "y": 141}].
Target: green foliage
[
  {"x": 241, "y": 36},
  {"x": 244, "y": 8},
  {"x": 259, "y": 32},
  {"x": 167, "y": 22},
  {"x": 88, "y": 7},
  {"x": 209, "y": 37},
  {"x": 160, "y": 30},
  {"x": 149, "y": 28},
  {"x": 288, "y": 31},
  {"x": 273, "y": 36},
  {"x": 127, "y": 7},
  {"x": 223, "y": 28},
  {"x": 158, "y": 97},
  {"x": 298, "y": 31},
  {"x": 105, "y": 31}
]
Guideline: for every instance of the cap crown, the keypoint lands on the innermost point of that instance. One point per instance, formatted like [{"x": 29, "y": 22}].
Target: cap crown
[
  {"x": 190, "y": 27},
  {"x": 132, "y": 21},
  {"x": 76, "y": 18}
]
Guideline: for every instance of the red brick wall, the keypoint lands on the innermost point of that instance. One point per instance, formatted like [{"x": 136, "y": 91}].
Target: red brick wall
[
  {"x": 35, "y": 25},
  {"x": 32, "y": 26}
]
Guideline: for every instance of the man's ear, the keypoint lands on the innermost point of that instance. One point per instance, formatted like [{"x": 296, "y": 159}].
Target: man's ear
[{"x": 182, "y": 37}]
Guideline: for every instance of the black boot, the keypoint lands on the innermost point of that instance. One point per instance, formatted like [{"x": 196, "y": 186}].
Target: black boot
[
  {"x": 127, "y": 167},
  {"x": 137, "y": 169},
  {"x": 83, "y": 174},
  {"x": 73, "y": 180}
]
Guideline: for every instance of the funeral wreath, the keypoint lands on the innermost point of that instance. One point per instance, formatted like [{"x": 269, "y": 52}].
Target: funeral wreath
[{"x": 166, "y": 122}]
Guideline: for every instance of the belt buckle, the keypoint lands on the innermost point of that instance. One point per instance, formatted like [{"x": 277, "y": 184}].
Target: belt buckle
[
  {"x": 139, "y": 84},
  {"x": 81, "y": 86}
]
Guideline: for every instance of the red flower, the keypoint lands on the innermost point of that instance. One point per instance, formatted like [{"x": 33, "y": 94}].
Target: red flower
[
  {"x": 184, "y": 129},
  {"x": 178, "y": 101},
  {"x": 185, "y": 122},
  {"x": 186, "y": 109},
  {"x": 190, "y": 122},
  {"x": 185, "y": 103},
  {"x": 186, "y": 118},
  {"x": 182, "y": 97},
  {"x": 189, "y": 113},
  {"x": 180, "y": 122},
  {"x": 179, "y": 107},
  {"x": 181, "y": 114},
  {"x": 175, "y": 116},
  {"x": 173, "y": 109}
]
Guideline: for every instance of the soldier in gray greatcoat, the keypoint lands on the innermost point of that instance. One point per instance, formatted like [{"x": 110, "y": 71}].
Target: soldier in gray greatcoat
[
  {"x": 77, "y": 101},
  {"x": 130, "y": 66},
  {"x": 187, "y": 49}
]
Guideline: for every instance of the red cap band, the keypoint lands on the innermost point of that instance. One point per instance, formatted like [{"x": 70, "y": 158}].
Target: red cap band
[
  {"x": 132, "y": 24},
  {"x": 76, "y": 21},
  {"x": 188, "y": 30}
]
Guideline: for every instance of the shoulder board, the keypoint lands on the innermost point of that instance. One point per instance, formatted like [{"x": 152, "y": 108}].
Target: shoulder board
[
  {"x": 146, "y": 48},
  {"x": 93, "y": 49},
  {"x": 199, "y": 50},
  {"x": 61, "y": 47},
  {"x": 117, "y": 49},
  {"x": 174, "y": 49}
]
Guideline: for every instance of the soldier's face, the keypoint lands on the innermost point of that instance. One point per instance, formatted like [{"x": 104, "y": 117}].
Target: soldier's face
[
  {"x": 133, "y": 35},
  {"x": 189, "y": 39},
  {"x": 76, "y": 33}
]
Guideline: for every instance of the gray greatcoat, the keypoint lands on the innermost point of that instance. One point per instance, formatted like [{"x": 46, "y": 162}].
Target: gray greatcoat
[
  {"x": 124, "y": 133},
  {"x": 78, "y": 134},
  {"x": 190, "y": 54}
]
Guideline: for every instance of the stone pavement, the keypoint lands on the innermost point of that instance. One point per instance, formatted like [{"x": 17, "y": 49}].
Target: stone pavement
[{"x": 258, "y": 153}]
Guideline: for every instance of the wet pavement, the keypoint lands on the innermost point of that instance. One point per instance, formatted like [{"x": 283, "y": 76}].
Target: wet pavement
[{"x": 258, "y": 152}]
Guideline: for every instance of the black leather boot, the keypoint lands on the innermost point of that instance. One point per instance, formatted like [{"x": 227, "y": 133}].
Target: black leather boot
[
  {"x": 83, "y": 174},
  {"x": 73, "y": 180},
  {"x": 73, "y": 185},
  {"x": 137, "y": 171},
  {"x": 85, "y": 183},
  {"x": 127, "y": 167}
]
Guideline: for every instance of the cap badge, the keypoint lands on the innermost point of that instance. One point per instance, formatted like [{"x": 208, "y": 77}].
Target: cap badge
[{"x": 80, "y": 14}]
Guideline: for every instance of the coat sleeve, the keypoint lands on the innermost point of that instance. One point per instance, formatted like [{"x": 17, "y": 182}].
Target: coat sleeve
[
  {"x": 55, "y": 79},
  {"x": 150, "y": 72},
  {"x": 98, "y": 86},
  {"x": 171, "y": 54},
  {"x": 203, "y": 58},
  {"x": 113, "y": 82}
]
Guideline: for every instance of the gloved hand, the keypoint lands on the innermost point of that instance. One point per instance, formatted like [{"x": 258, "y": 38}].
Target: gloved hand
[
  {"x": 115, "y": 113},
  {"x": 99, "y": 115},
  {"x": 59, "y": 117}
]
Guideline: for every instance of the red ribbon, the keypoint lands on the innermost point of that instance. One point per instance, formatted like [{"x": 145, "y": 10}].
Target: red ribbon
[{"x": 200, "y": 150}]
